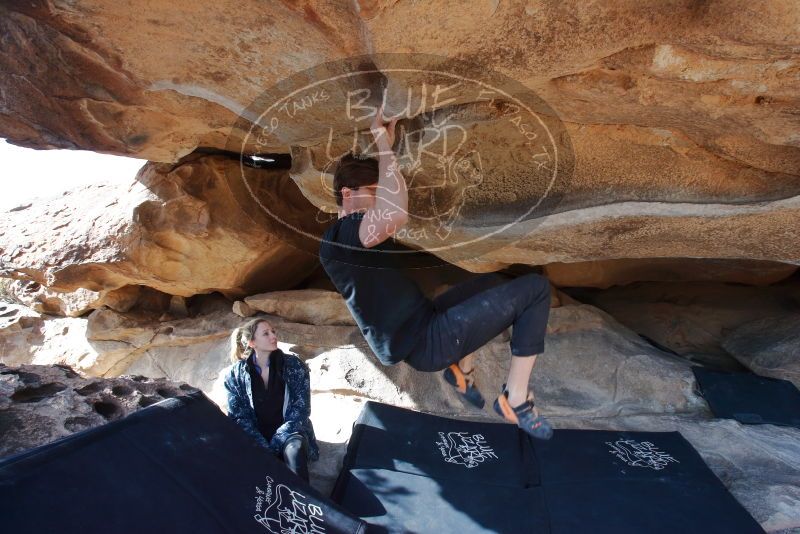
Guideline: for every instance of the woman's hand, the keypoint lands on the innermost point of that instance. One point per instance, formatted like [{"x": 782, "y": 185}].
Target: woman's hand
[{"x": 379, "y": 127}]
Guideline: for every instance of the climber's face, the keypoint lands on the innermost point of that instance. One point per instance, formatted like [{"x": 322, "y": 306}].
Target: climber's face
[{"x": 265, "y": 339}]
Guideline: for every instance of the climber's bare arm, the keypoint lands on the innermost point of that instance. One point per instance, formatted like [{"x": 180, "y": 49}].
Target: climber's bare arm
[{"x": 390, "y": 212}]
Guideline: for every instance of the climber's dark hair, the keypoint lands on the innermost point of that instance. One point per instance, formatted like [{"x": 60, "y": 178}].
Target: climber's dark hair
[{"x": 353, "y": 172}]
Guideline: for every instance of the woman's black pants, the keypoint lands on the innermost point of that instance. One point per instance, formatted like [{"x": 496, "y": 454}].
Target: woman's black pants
[{"x": 295, "y": 456}]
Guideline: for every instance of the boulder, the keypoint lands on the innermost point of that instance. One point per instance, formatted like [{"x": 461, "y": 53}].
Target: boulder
[
  {"x": 310, "y": 306},
  {"x": 109, "y": 344},
  {"x": 28, "y": 337},
  {"x": 768, "y": 346},
  {"x": 693, "y": 318},
  {"x": 41, "y": 403},
  {"x": 118, "y": 93},
  {"x": 606, "y": 273},
  {"x": 242, "y": 309},
  {"x": 675, "y": 71},
  {"x": 673, "y": 123},
  {"x": 72, "y": 304},
  {"x": 192, "y": 348},
  {"x": 180, "y": 230},
  {"x": 592, "y": 365}
]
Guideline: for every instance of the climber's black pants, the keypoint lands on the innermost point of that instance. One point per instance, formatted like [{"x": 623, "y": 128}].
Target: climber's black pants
[
  {"x": 295, "y": 456},
  {"x": 471, "y": 314}
]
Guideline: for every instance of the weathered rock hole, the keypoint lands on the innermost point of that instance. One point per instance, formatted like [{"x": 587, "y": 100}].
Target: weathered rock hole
[
  {"x": 186, "y": 387},
  {"x": 65, "y": 331},
  {"x": 147, "y": 400},
  {"x": 167, "y": 393},
  {"x": 76, "y": 424},
  {"x": 108, "y": 410},
  {"x": 168, "y": 331},
  {"x": 27, "y": 378},
  {"x": 121, "y": 390},
  {"x": 38, "y": 393},
  {"x": 90, "y": 389},
  {"x": 67, "y": 370},
  {"x": 139, "y": 378}
]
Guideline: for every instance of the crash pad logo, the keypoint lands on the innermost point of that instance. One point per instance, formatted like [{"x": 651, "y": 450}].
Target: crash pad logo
[
  {"x": 642, "y": 454},
  {"x": 461, "y": 448},
  {"x": 281, "y": 510}
]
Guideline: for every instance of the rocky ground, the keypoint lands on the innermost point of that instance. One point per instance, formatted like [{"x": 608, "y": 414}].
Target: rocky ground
[{"x": 41, "y": 403}]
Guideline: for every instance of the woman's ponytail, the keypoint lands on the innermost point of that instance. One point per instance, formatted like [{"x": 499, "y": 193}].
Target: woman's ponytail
[{"x": 241, "y": 337}]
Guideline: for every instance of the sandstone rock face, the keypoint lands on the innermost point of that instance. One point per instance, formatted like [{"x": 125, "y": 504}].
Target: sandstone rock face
[
  {"x": 14, "y": 317},
  {"x": 15, "y": 322},
  {"x": 242, "y": 309},
  {"x": 193, "y": 348},
  {"x": 75, "y": 303},
  {"x": 594, "y": 366},
  {"x": 108, "y": 343},
  {"x": 591, "y": 366},
  {"x": 118, "y": 92},
  {"x": 28, "y": 337},
  {"x": 693, "y": 318},
  {"x": 39, "y": 404},
  {"x": 310, "y": 306},
  {"x": 606, "y": 273},
  {"x": 179, "y": 230},
  {"x": 768, "y": 347},
  {"x": 680, "y": 116}
]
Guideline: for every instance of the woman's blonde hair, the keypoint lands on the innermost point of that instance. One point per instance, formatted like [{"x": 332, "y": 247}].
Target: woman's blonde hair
[{"x": 240, "y": 350}]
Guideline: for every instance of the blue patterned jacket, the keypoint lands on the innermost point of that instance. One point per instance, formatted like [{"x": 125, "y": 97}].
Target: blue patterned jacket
[{"x": 296, "y": 406}]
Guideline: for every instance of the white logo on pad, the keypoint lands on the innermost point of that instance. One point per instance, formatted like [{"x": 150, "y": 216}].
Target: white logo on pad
[
  {"x": 643, "y": 454},
  {"x": 464, "y": 449},
  {"x": 287, "y": 511}
]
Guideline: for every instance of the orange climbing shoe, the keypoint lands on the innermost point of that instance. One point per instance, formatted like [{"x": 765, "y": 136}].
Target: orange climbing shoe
[
  {"x": 464, "y": 384},
  {"x": 523, "y": 416}
]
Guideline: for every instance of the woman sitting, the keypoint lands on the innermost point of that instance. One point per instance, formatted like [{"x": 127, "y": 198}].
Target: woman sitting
[{"x": 269, "y": 395}]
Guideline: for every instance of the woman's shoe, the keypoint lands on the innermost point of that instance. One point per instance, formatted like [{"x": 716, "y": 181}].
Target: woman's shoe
[
  {"x": 523, "y": 416},
  {"x": 463, "y": 383}
]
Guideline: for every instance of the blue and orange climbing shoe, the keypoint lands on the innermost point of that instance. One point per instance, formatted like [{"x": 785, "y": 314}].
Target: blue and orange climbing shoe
[
  {"x": 523, "y": 416},
  {"x": 464, "y": 384}
]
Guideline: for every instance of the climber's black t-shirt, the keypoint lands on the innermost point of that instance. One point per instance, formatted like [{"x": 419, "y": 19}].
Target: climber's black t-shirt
[{"x": 387, "y": 305}]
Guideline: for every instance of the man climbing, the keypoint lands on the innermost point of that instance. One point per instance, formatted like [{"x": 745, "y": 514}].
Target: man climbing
[{"x": 397, "y": 320}]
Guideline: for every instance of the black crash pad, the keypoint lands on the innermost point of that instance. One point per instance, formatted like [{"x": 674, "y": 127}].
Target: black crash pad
[
  {"x": 393, "y": 501},
  {"x": 397, "y": 479},
  {"x": 749, "y": 398},
  {"x": 656, "y": 482},
  {"x": 178, "y": 466},
  {"x": 385, "y": 437}
]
